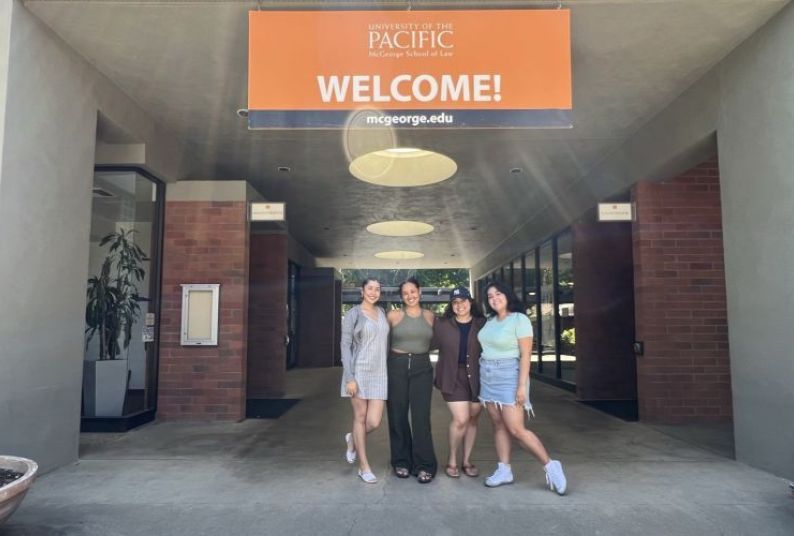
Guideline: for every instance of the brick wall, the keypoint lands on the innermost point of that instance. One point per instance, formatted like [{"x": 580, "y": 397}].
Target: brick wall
[
  {"x": 205, "y": 242},
  {"x": 680, "y": 305},
  {"x": 267, "y": 314}
]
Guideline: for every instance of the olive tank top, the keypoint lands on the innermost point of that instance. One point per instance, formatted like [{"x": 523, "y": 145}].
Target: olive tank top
[{"x": 411, "y": 335}]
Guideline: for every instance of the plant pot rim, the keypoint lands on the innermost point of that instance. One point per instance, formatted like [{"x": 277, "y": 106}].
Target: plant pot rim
[{"x": 23, "y": 483}]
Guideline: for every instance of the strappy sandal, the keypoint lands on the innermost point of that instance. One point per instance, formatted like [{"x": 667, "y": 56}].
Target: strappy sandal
[
  {"x": 401, "y": 472},
  {"x": 424, "y": 477},
  {"x": 452, "y": 471},
  {"x": 471, "y": 470}
]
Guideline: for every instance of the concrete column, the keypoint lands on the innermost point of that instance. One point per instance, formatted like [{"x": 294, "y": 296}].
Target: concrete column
[
  {"x": 49, "y": 121},
  {"x": 755, "y": 133}
]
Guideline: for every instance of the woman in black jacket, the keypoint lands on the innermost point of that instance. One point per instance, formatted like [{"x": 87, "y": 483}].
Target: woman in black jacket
[{"x": 458, "y": 376}]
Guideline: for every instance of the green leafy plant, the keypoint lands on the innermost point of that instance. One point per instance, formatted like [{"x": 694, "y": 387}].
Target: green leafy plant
[
  {"x": 112, "y": 295},
  {"x": 568, "y": 341}
]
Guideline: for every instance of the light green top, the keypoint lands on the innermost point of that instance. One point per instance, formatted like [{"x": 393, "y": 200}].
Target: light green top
[{"x": 499, "y": 338}]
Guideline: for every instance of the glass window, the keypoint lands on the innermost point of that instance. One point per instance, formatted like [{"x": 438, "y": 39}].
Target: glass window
[
  {"x": 548, "y": 334},
  {"x": 120, "y": 353},
  {"x": 507, "y": 270},
  {"x": 518, "y": 279},
  {"x": 530, "y": 298},
  {"x": 565, "y": 295}
]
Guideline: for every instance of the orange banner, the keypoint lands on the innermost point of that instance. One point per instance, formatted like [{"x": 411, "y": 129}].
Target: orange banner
[{"x": 409, "y": 60}]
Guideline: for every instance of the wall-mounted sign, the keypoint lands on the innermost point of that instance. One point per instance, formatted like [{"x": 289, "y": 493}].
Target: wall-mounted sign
[
  {"x": 616, "y": 212},
  {"x": 418, "y": 69},
  {"x": 268, "y": 211},
  {"x": 147, "y": 334},
  {"x": 200, "y": 308}
]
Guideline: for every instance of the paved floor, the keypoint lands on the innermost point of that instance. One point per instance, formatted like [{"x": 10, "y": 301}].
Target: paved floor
[{"x": 288, "y": 477}]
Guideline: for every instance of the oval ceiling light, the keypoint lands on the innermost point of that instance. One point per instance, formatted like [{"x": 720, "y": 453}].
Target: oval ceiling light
[
  {"x": 399, "y": 255},
  {"x": 400, "y": 228},
  {"x": 403, "y": 166}
]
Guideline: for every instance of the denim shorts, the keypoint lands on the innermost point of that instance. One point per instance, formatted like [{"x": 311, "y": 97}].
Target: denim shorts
[{"x": 499, "y": 381}]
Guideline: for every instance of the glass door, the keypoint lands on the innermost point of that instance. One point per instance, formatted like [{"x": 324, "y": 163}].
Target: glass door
[{"x": 122, "y": 295}]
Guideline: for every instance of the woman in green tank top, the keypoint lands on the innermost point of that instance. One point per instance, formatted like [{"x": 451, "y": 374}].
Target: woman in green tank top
[{"x": 411, "y": 387}]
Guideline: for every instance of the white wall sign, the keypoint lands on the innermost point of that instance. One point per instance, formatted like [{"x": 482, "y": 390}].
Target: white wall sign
[
  {"x": 200, "y": 314},
  {"x": 616, "y": 212},
  {"x": 268, "y": 211}
]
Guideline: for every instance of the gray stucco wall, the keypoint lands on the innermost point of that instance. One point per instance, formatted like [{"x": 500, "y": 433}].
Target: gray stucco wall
[
  {"x": 5, "y": 38},
  {"x": 50, "y": 114},
  {"x": 756, "y": 150}
]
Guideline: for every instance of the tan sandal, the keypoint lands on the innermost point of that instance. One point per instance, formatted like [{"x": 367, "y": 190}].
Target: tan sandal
[
  {"x": 471, "y": 470},
  {"x": 452, "y": 471}
]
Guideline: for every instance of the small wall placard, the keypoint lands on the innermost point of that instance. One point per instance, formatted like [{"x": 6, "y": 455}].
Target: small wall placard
[
  {"x": 200, "y": 314},
  {"x": 616, "y": 212}
]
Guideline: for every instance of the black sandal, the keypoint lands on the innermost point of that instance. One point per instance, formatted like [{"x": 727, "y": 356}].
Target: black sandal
[
  {"x": 401, "y": 472},
  {"x": 424, "y": 477}
]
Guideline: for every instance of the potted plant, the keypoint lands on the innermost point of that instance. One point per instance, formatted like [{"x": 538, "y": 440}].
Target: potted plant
[
  {"x": 111, "y": 311},
  {"x": 16, "y": 477}
]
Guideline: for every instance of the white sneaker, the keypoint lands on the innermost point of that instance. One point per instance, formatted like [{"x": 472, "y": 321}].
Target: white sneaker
[
  {"x": 502, "y": 476},
  {"x": 367, "y": 476},
  {"x": 555, "y": 478},
  {"x": 350, "y": 453}
]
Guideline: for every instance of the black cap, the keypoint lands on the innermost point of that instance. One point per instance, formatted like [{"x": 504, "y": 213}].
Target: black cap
[{"x": 459, "y": 293}]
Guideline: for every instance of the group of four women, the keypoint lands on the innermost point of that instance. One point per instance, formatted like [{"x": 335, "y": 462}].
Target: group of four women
[{"x": 386, "y": 359}]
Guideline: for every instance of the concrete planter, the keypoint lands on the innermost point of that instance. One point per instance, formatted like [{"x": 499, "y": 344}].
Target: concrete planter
[
  {"x": 104, "y": 387},
  {"x": 12, "y": 494}
]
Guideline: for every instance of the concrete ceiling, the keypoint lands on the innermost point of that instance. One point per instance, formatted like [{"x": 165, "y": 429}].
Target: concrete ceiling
[{"x": 185, "y": 63}]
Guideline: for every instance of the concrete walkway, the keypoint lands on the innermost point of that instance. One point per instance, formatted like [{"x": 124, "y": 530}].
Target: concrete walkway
[{"x": 288, "y": 477}]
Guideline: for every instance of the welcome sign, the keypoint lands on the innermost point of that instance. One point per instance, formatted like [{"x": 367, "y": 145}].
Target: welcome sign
[{"x": 417, "y": 69}]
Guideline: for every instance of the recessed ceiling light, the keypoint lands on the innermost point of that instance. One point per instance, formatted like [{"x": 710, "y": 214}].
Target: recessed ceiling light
[
  {"x": 399, "y": 255},
  {"x": 242, "y": 112},
  {"x": 402, "y": 150},
  {"x": 400, "y": 228},
  {"x": 403, "y": 166}
]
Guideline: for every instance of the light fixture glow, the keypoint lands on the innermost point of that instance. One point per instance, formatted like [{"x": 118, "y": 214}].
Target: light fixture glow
[
  {"x": 399, "y": 255},
  {"x": 402, "y": 150},
  {"x": 403, "y": 166},
  {"x": 400, "y": 228}
]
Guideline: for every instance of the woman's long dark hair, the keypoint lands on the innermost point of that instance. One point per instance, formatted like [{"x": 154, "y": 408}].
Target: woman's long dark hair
[
  {"x": 368, "y": 280},
  {"x": 413, "y": 281},
  {"x": 476, "y": 312},
  {"x": 514, "y": 305}
]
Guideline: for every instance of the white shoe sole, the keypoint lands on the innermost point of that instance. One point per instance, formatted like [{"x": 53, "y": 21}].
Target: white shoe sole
[
  {"x": 496, "y": 485},
  {"x": 350, "y": 455}
]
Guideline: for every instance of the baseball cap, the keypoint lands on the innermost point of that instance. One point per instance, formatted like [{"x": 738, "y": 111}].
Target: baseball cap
[{"x": 460, "y": 293}]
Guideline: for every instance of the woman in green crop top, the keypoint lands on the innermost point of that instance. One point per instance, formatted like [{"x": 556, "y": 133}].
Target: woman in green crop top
[
  {"x": 506, "y": 341},
  {"x": 411, "y": 387}
]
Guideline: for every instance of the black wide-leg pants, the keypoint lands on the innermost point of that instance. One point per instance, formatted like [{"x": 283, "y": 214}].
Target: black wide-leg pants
[{"x": 410, "y": 390}]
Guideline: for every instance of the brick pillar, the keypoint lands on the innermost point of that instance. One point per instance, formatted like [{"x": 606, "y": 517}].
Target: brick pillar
[
  {"x": 267, "y": 313},
  {"x": 680, "y": 304},
  {"x": 604, "y": 297},
  {"x": 205, "y": 242}
]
